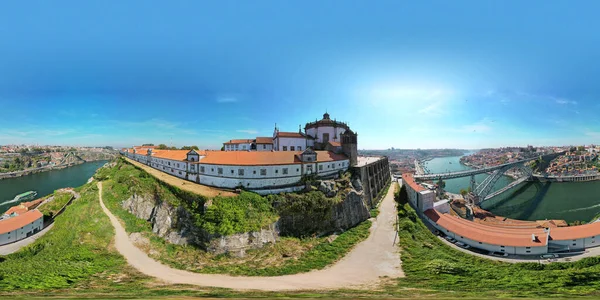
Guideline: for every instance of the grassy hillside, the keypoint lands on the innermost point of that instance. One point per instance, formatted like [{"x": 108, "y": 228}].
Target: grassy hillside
[
  {"x": 73, "y": 251},
  {"x": 432, "y": 265},
  {"x": 226, "y": 215}
]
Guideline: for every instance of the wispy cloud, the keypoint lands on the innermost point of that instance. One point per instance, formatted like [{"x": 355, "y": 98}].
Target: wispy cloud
[
  {"x": 248, "y": 131},
  {"x": 565, "y": 101},
  {"x": 433, "y": 109},
  {"x": 227, "y": 100}
]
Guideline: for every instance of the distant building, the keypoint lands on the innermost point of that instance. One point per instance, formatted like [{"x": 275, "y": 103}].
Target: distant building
[{"x": 19, "y": 224}]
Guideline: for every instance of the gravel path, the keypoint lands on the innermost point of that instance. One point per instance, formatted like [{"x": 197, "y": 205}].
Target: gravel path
[{"x": 371, "y": 259}]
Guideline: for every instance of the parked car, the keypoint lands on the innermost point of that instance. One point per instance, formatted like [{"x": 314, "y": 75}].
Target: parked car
[
  {"x": 462, "y": 245},
  {"x": 549, "y": 255},
  {"x": 501, "y": 254}
]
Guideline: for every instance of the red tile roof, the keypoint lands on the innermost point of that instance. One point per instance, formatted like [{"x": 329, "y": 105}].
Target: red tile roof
[
  {"x": 514, "y": 237},
  {"x": 291, "y": 135},
  {"x": 575, "y": 232},
  {"x": 264, "y": 140},
  {"x": 19, "y": 221},
  {"x": 239, "y": 141},
  {"x": 173, "y": 154},
  {"x": 263, "y": 158},
  {"x": 407, "y": 178}
]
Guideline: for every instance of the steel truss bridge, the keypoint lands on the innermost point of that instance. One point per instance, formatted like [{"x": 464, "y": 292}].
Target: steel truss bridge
[{"x": 483, "y": 190}]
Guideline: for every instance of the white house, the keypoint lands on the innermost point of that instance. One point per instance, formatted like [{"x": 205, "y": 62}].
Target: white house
[{"x": 17, "y": 227}]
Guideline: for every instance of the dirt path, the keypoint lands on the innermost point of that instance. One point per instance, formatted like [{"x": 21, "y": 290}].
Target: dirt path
[
  {"x": 363, "y": 266},
  {"x": 182, "y": 183}
]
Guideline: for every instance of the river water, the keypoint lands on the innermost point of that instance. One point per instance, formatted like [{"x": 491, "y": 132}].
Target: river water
[
  {"x": 569, "y": 201},
  {"x": 45, "y": 183}
]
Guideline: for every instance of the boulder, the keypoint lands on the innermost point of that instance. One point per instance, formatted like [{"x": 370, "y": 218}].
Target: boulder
[{"x": 328, "y": 188}]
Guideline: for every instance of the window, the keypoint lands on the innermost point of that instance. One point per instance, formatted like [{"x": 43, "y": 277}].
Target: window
[
  {"x": 212, "y": 169},
  {"x": 284, "y": 148},
  {"x": 299, "y": 148},
  {"x": 254, "y": 172},
  {"x": 320, "y": 167},
  {"x": 179, "y": 172},
  {"x": 178, "y": 165},
  {"x": 502, "y": 250},
  {"x": 241, "y": 172},
  {"x": 263, "y": 172},
  {"x": 527, "y": 247},
  {"x": 574, "y": 244},
  {"x": 527, "y": 251},
  {"x": 202, "y": 169},
  {"x": 231, "y": 171},
  {"x": 264, "y": 146},
  {"x": 292, "y": 148},
  {"x": 284, "y": 171},
  {"x": 169, "y": 163},
  {"x": 220, "y": 171},
  {"x": 479, "y": 243},
  {"x": 276, "y": 171},
  {"x": 297, "y": 169}
]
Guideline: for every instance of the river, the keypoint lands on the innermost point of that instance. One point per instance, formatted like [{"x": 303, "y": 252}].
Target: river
[
  {"x": 569, "y": 201},
  {"x": 45, "y": 183}
]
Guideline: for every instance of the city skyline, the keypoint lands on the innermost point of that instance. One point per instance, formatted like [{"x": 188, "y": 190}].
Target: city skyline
[{"x": 464, "y": 75}]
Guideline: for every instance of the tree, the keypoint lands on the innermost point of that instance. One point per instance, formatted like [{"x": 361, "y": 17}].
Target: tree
[
  {"x": 190, "y": 148},
  {"x": 463, "y": 192},
  {"x": 402, "y": 196},
  {"x": 147, "y": 144},
  {"x": 162, "y": 147}
]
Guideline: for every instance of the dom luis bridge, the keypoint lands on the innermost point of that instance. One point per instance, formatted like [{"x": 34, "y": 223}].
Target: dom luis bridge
[{"x": 483, "y": 190}]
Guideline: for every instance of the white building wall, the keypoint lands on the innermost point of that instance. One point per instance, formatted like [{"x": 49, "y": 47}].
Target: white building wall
[
  {"x": 21, "y": 233},
  {"x": 578, "y": 244},
  {"x": 281, "y": 142},
  {"x": 334, "y": 133},
  {"x": 174, "y": 167},
  {"x": 427, "y": 198},
  {"x": 264, "y": 147},
  {"x": 238, "y": 147}
]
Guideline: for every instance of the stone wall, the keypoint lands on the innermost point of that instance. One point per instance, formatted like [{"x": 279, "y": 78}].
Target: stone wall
[{"x": 374, "y": 178}]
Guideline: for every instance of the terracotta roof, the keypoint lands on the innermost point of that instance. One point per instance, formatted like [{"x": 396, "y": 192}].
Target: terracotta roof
[
  {"x": 514, "y": 237},
  {"x": 19, "y": 221},
  {"x": 18, "y": 209},
  {"x": 264, "y": 140},
  {"x": 575, "y": 232},
  {"x": 335, "y": 144},
  {"x": 407, "y": 178},
  {"x": 291, "y": 135},
  {"x": 171, "y": 154},
  {"x": 239, "y": 141},
  {"x": 263, "y": 158}
]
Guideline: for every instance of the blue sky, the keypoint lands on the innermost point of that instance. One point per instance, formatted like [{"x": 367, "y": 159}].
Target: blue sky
[{"x": 431, "y": 74}]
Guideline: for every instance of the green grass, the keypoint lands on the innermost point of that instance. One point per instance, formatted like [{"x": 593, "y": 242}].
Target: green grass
[
  {"x": 430, "y": 264},
  {"x": 72, "y": 252},
  {"x": 60, "y": 199}
]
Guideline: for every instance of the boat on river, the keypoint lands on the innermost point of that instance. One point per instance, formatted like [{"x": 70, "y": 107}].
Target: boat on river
[{"x": 25, "y": 196}]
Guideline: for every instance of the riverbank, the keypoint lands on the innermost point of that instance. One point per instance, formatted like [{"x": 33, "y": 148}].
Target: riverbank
[{"x": 39, "y": 170}]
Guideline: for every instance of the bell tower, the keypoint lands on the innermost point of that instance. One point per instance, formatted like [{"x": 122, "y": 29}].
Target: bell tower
[{"x": 350, "y": 146}]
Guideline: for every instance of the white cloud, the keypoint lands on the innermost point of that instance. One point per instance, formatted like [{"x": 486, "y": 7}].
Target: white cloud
[
  {"x": 227, "y": 100},
  {"x": 432, "y": 109},
  {"x": 565, "y": 101},
  {"x": 248, "y": 131}
]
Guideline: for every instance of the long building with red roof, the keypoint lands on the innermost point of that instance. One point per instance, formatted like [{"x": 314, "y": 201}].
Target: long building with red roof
[{"x": 511, "y": 238}]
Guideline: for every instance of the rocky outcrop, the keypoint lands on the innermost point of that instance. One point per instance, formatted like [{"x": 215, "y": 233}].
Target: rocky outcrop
[
  {"x": 176, "y": 225},
  {"x": 350, "y": 212},
  {"x": 328, "y": 188},
  {"x": 237, "y": 244},
  {"x": 323, "y": 215}
]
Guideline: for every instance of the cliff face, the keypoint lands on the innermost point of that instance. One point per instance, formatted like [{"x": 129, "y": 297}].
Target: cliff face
[
  {"x": 177, "y": 226},
  {"x": 308, "y": 214}
]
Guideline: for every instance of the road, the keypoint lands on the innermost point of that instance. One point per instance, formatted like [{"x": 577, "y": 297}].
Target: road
[{"x": 362, "y": 267}]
